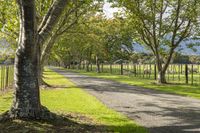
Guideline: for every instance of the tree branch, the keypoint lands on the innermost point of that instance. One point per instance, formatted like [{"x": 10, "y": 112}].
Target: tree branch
[{"x": 51, "y": 19}]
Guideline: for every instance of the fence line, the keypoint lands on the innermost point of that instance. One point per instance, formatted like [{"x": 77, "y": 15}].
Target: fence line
[
  {"x": 176, "y": 73},
  {"x": 6, "y": 76}
]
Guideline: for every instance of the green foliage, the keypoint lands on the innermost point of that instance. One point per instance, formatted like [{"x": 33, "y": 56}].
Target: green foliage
[
  {"x": 181, "y": 59},
  {"x": 9, "y": 24},
  {"x": 195, "y": 59},
  {"x": 109, "y": 39},
  {"x": 161, "y": 25}
]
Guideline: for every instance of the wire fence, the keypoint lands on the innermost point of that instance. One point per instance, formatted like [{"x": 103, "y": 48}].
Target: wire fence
[
  {"x": 176, "y": 73},
  {"x": 6, "y": 77}
]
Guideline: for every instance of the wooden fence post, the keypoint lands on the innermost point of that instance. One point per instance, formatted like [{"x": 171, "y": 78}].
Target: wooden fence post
[
  {"x": 173, "y": 71},
  {"x": 181, "y": 68},
  {"x": 102, "y": 67},
  {"x": 91, "y": 67},
  {"x": 150, "y": 71},
  {"x": 1, "y": 77},
  {"x": 186, "y": 73},
  {"x": 155, "y": 72},
  {"x": 110, "y": 68},
  {"x": 192, "y": 75},
  {"x": 135, "y": 71},
  {"x": 6, "y": 82},
  {"x": 84, "y": 65},
  {"x": 143, "y": 70},
  {"x": 121, "y": 68},
  {"x": 179, "y": 77}
]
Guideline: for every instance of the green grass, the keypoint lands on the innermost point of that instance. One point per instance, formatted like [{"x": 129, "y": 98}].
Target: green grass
[
  {"x": 3, "y": 76},
  {"x": 181, "y": 89},
  {"x": 67, "y": 98}
]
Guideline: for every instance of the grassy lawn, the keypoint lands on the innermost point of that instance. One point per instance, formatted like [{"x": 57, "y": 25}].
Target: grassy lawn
[
  {"x": 81, "y": 110},
  {"x": 181, "y": 89}
]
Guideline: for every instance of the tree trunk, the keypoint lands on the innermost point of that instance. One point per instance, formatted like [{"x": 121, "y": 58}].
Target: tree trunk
[
  {"x": 26, "y": 102},
  {"x": 87, "y": 66},
  {"x": 43, "y": 60},
  {"x": 98, "y": 65},
  {"x": 161, "y": 70},
  {"x": 40, "y": 76},
  {"x": 161, "y": 77},
  {"x": 79, "y": 64}
]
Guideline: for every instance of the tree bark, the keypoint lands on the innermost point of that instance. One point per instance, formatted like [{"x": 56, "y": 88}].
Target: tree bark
[
  {"x": 161, "y": 71},
  {"x": 26, "y": 102},
  {"x": 161, "y": 77},
  {"x": 87, "y": 66},
  {"x": 44, "y": 58},
  {"x": 50, "y": 20},
  {"x": 97, "y": 65}
]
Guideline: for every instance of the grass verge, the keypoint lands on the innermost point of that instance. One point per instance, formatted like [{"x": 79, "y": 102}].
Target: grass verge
[
  {"x": 83, "y": 112},
  {"x": 181, "y": 89}
]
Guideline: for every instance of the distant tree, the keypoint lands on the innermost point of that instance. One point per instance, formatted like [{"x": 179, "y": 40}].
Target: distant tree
[
  {"x": 161, "y": 25},
  {"x": 194, "y": 59},
  {"x": 74, "y": 12},
  {"x": 95, "y": 38},
  {"x": 181, "y": 59}
]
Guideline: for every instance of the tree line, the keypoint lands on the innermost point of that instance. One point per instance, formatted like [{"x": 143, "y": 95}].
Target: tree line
[{"x": 68, "y": 30}]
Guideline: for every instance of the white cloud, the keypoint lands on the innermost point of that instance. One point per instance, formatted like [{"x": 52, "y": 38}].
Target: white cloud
[{"x": 108, "y": 10}]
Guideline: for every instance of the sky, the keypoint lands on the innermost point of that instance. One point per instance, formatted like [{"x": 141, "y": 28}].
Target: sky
[{"x": 108, "y": 10}]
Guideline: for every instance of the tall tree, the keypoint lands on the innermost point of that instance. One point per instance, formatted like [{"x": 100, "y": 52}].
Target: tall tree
[
  {"x": 75, "y": 11},
  {"x": 161, "y": 25},
  {"x": 26, "y": 102}
]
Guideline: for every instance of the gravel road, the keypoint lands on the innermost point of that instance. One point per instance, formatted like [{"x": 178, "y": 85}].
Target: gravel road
[{"x": 157, "y": 111}]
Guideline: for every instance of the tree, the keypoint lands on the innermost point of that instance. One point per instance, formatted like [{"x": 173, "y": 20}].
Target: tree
[
  {"x": 194, "y": 59},
  {"x": 161, "y": 25},
  {"x": 95, "y": 39},
  {"x": 9, "y": 19},
  {"x": 73, "y": 12},
  {"x": 26, "y": 102}
]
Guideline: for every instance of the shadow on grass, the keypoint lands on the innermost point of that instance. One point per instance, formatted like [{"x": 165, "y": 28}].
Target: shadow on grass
[
  {"x": 64, "y": 123},
  {"x": 58, "y": 87}
]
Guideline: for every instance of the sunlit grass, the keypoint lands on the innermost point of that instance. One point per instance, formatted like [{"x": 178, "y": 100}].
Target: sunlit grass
[
  {"x": 67, "y": 98},
  {"x": 4, "y": 72}
]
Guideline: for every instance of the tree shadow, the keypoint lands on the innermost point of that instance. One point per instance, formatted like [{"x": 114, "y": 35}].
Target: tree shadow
[
  {"x": 57, "y": 87},
  {"x": 72, "y": 123},
  {"x": 61, "y": 124}
]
